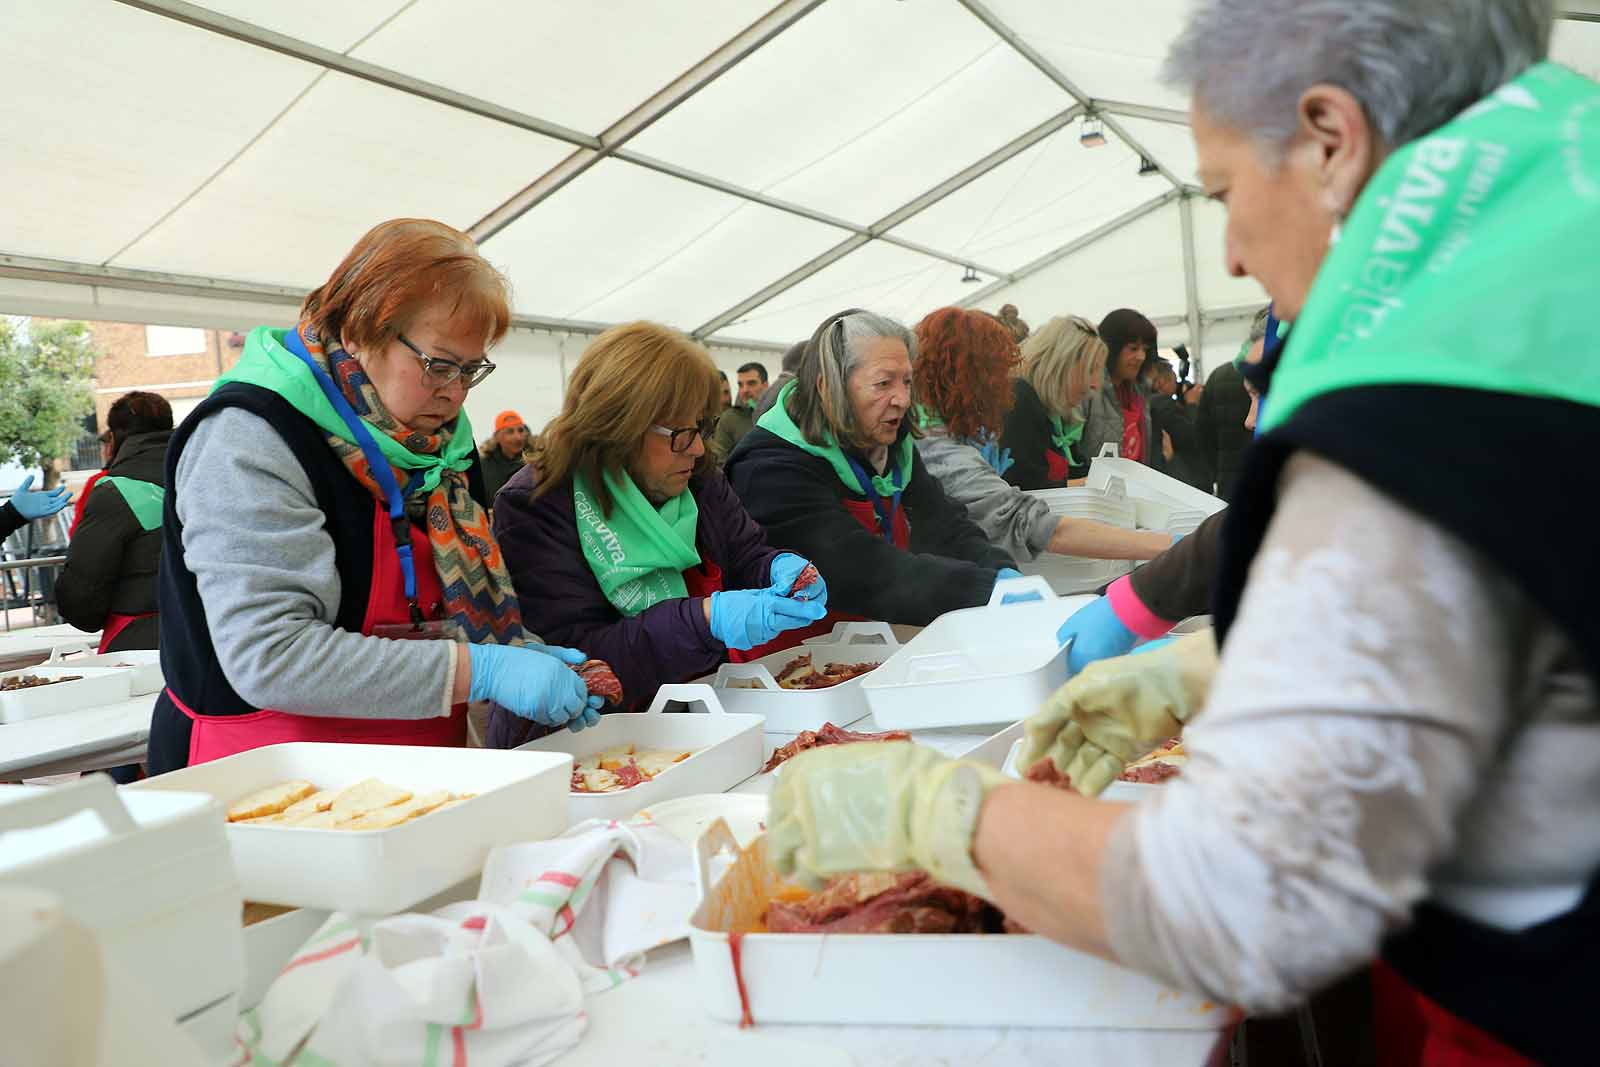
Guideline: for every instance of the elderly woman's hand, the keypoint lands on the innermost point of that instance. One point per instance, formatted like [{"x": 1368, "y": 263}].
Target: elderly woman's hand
[
  {"x": 878, "y": 806},
  {"x": 536, "y": 682},
  {"x": 1116, "y": 710}
]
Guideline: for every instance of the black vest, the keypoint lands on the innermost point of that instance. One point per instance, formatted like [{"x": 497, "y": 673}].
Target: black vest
[
  {"x": 188, "y": 657},
  {"x": 1444, "y": 453}
]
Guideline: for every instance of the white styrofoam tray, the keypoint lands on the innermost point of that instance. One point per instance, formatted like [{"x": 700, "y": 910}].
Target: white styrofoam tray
[
  {"x": 993, "y": 664},
  {"x": 727, "y": 750},
  {"x": 151, "y": 875},
  {"x": 909, "y": 979},
  {"x": 789, "y": 711},
  {"x": 520, "y": 796},
  {"x": 143, "y": 666},
  {"x": 1126, "y": 792},
  {"x": 96, "y": 686}
]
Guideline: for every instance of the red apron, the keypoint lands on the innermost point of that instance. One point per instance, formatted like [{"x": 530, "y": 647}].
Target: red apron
[
  {"x": 1056, "y": 467},
  {"x": 862, "y": 512},
  {"x": 214, "y": 736},
  {"x": 115, "y": 624},
  {"x": 83, "y": 498},
  {"x": 1414, "y": 1031}
]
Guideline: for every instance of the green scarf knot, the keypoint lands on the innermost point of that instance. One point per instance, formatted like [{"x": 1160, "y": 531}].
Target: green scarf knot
[{"x": 778, "y": 422}]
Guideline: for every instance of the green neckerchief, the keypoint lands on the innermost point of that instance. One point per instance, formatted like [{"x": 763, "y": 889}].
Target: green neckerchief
[
  {"x": 777, "y": 421},
  {"x": 1063, "y": 436},
  {"x": 267, "y": 364},
  {"x": 1469, "y": 259},
  {"x": 639, "y": 554},
  {"x": 144, "y": 499}
]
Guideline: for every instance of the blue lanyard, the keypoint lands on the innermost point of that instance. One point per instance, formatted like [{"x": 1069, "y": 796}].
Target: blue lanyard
[
  {"x": 376, "y": 462},
  {"x": 885, "y": 511}
]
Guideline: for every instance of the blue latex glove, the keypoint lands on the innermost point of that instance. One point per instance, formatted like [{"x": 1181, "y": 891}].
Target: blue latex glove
[
  {"x": 786, "y": 567},
  {"x": 1151, "y": 646},
  {"x": 535, "y": 682},
  {"x": 745, "y": 618},
  {"x": 997, "y": 457},
  {"x": 1013, "y": 598},
  {"x": 1096, "y": 633},
  {"x": 38, "y": 505}
]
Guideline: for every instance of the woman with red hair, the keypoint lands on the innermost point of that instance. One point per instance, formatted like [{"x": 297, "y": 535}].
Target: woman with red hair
[
  {"x": 963, "y": 385},
  {"x": 325, "y": 520}
]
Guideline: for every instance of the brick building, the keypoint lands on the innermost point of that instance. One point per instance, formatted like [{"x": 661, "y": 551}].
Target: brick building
[{"x": 178, "y": 362}]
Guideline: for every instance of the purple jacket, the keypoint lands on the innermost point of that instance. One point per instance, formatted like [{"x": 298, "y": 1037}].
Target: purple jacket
[{"x": 561, "y": 600}]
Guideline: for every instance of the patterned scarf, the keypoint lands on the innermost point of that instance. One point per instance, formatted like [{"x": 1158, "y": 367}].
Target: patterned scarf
[{"x": 478, "y": 594}]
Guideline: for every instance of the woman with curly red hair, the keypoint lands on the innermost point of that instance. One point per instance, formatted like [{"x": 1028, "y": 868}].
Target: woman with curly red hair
[{"x": 963, "y": 386}]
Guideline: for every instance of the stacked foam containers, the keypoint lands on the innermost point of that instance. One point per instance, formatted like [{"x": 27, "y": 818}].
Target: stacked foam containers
[{"x": 1069, "y": 575}]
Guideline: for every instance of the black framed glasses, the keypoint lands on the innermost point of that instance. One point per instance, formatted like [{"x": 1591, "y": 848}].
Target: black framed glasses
[
  {"x": 437, "y": 371},
  {"x": 682, "y": 439}
]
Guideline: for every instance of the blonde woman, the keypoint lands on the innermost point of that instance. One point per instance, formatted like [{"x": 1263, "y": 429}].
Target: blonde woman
[
  {"x": 622, "y": 536},
  {"x": 1062, "y": 362}
]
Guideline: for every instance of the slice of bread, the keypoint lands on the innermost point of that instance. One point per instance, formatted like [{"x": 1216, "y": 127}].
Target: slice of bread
[
  {"x": 321, "y": 800},
  {"x": 368, "y": 795},
  {"x": 321, "y": 820},
  {"x": 395, "y": 814},
  {"x": 269, "y": 801},
  {"x": 656, "y": 760}
]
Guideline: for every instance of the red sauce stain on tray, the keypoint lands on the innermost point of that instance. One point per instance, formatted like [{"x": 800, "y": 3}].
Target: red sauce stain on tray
[{"x": 735, "y": 942}]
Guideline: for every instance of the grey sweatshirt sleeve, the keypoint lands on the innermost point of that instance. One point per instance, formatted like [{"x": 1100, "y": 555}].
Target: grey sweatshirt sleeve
[
  {"x": 1011, "y": 519},
  {"x": 253, "y": 537}
]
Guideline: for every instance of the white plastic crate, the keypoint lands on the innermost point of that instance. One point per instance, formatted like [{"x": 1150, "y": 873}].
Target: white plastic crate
[
  {"x": 1161, "y": 502},
  {"x": 94, "y": 687},
  {"x": 520, "y": 796},
  {"x": 727, "y": 750},
  {"x": 993, "y": 664},
  {"x": 143, "y": 666},
  {"x": 151, "y": 876},
  {"x": 789, "y": 711}
]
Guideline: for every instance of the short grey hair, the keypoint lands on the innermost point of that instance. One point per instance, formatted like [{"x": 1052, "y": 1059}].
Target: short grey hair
[
  {"x": 1258, "y": 325},
  {"x": 1413, "y": 64},
  {"x": 833, "y": 353}
]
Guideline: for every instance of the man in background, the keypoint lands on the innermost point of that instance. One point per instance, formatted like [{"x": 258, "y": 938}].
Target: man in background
[
  {"x": 737, "y": 420},
  {"x": 502, "y": 453},
  {"x": 1172, "y": 420},
  {"x": 1219, "y": 421}
]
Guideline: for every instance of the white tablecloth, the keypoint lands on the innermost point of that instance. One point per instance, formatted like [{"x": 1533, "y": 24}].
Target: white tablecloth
[{"x": 87, "y": 740}]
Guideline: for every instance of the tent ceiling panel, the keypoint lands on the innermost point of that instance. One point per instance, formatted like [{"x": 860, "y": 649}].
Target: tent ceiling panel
[
  {"x": 105, "y": 131},
  {"x": 1035, "y": 202},
  {"x": 583, "y": 65},
  {"x": 1217, "y": 288},
  {"x": 348, "y": 155},
  {"x": 1109, "y": 50},
  {"x": 1129, "y": 268},
  {"x": 884, "y": 98},
  {"x": 626, "y": 242},
  {"x": 336, "y": 26},
  {"x": 1173, "y": 145},
  {"x": 881, "y": 277},
  {"x": 1577, "y": 44}
]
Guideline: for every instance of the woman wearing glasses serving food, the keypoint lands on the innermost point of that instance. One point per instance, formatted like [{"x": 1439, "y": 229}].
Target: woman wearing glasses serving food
[
  {"x": 328, "y": 572},
  {"x": 621, "y": 535}
]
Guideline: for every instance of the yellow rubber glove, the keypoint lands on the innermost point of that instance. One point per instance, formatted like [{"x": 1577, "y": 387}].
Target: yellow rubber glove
[
  {"x": 1114, "y": 711},
  {"x": 879, "y": 806}
]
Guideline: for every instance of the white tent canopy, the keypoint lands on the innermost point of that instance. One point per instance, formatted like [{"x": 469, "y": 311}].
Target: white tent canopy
[{"x": 734, "y": 168}]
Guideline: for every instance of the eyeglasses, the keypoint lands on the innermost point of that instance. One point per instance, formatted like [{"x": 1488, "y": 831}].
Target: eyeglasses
[
  {"x": 437, "y": 372},
  {"x": 682, "y": 439}
]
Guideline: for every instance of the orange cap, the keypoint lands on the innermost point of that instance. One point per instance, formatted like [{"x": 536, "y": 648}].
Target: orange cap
[{"x": 505, "y": 420}]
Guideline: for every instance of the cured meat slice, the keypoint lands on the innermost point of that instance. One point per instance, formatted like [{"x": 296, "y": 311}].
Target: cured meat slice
[
  {"x": 799, "y": 673},
  {"x": 805, "y": 579},
  {"x": 630, "y": 775},
  {"x": 829, "y": 734},
  {"x": 884, "y": 903},
  {"x": 1045, "y": 772},
  {"x": 1149, "y": 773},
  {"x": 601, "y": 680}
]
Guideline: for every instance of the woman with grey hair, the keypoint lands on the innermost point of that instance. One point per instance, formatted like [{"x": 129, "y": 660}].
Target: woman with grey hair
[
  {"x": 1398, "y": 756},
  {"x": 831, "y": 472}
]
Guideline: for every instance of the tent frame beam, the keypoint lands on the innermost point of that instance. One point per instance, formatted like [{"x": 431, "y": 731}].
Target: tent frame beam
[
  {"x": 878, "y": 230},
  {"x": 733, "y": 52},
  {"x": 1191, "y": 284},
  {"x": 1077, "y": 244},
  {"x": 1054, "y": 73},
  {"x": 1140, "y": 111}
]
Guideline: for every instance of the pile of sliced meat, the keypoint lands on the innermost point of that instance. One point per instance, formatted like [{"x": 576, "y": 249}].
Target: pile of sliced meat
[
  {"x": 882, "y": 903},
  {"x": 798, "y": 673},
  {"x": 1151, "y": 769},
  {"x": 828, "y": 735}
]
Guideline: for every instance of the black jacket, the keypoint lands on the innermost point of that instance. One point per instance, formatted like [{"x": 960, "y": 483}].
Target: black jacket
[
  {"x": 497, "y": 470},
  {"x": 113, "y": 560},
  {"x": 1178, "y": 583},
  {"x": 1179, "y": 421},
  {"x": 799, "y": 499},
  {"x": 11, "y": 520},
  {"x": 1029, "y": 435},
  {"x": 1219, "y": 427}
]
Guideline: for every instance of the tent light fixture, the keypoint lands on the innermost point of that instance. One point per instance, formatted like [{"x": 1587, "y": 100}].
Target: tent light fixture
[
  {"x": 970, "y": 277},
  {"x": 1093, "y": 135},
  {"x": 1147, "y": 167}
]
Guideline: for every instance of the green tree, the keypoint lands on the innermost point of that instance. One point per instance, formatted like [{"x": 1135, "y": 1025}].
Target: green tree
[{"x": 45, "y": 392}]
